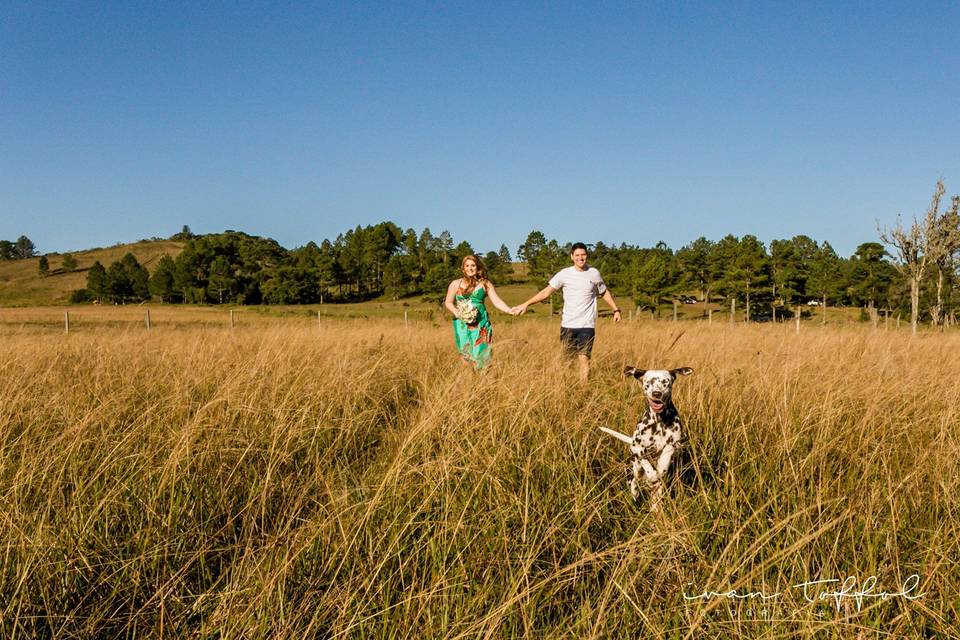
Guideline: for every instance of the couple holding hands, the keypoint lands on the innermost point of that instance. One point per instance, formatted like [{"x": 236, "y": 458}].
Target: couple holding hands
[{"x": 581, "y": 285}]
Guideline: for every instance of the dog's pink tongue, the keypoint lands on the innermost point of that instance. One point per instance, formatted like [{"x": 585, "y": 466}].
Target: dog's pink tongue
[{"x": 656, "y": 405}]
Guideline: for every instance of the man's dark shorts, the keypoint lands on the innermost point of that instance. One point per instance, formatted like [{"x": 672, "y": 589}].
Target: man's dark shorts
[{"x": 577, "y": 342}]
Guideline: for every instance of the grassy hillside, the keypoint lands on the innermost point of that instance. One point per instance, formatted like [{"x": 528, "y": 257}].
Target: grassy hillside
[{"x": 21, "y": 284}]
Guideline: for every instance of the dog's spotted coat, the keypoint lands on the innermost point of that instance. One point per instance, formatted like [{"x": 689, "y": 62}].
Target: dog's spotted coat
[{"x": 658, "y": 434}]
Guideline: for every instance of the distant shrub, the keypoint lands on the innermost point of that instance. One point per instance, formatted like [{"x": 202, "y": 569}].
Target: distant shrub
[{"x": 79, "y": 296}]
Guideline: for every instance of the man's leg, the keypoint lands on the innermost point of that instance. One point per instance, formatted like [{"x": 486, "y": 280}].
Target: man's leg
[
  {"x": 584, "y": 361},
  {"x": 585, "y": 352}
]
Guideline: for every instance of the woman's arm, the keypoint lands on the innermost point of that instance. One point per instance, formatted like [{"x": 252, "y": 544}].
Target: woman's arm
[
  {"x": 542, "y": 295},
  {"x": 448, "y": 302},
  {"x": 496, "y": 300}
]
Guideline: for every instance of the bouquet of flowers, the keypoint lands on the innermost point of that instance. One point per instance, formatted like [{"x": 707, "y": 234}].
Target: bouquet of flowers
[{"x": 467, "y": 312}]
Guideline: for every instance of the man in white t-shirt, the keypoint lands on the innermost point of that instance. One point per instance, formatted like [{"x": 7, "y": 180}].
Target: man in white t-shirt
[{"x": 581, "y": 285}]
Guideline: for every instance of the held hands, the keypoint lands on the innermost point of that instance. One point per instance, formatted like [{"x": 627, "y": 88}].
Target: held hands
[{"x": 518, "y": 310}]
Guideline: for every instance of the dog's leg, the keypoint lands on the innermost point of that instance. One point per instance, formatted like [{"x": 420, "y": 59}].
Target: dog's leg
[
  {"x": 648, "y": 471},
  {"x": 633, "y": 477},
  {"x": 663, "y": 462},
  {"x": 653, "y": 481},
  {"x": 657, "y": 487},
  {"x": 656, "y": 495}
]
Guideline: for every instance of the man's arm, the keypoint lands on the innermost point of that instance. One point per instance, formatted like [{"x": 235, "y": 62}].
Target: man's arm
[
  {"x": 608, "y": 298},
  {"x": 541, "y": 296}
]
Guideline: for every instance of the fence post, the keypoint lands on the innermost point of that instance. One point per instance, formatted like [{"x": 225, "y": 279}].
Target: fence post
[
  {"x": 318, "y": 319},
  {"x": 148, "y": 319},
  {"x": 232, "y": 322},
  {"x": 733, "y": 309},
  {"x": 674, "y": 310},
  {"x": 66, "y": 322},
  {"x": 709, "y": 316},
  {"x": 898, "y": 320},
  {"x": 406, "y": 322}
]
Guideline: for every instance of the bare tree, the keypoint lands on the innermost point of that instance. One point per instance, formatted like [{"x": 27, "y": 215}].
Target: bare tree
[
  {"x": 944, "y": 245},
  {"x": 916, "y": 249}
]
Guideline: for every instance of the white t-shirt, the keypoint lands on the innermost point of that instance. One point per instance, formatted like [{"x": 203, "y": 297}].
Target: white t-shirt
[{"x": 580, "y": 292}]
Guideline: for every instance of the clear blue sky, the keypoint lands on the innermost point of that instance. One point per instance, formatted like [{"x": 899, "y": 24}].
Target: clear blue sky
[{"x": 632, "y": 122}]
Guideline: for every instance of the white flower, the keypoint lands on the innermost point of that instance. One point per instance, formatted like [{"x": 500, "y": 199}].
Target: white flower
[{"x": 466, "y": 311}]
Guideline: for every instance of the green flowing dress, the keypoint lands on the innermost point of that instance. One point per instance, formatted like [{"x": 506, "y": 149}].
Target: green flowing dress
[{"x": 474, "y": 340}]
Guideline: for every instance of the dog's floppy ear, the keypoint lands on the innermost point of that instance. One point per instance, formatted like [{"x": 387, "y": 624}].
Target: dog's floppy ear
[
  {"x": 683, "y": 371},
  {"x": 633, "y": 371}
]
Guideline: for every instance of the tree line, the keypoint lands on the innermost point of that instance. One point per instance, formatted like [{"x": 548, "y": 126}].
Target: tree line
[
  {"x": 237, "y": 268},
  {"x": 369, "y": 261},
  {"x": 763, "y": 279}
]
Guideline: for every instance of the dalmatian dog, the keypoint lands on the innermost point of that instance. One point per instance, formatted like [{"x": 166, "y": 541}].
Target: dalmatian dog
[{"x": 658, "y": 434}]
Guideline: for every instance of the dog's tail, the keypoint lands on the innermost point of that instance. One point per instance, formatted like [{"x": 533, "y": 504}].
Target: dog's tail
[{"x": 619, "y": 436}]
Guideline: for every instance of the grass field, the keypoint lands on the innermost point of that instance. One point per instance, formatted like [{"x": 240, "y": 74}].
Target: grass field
[{"x": 353, "y": 480}]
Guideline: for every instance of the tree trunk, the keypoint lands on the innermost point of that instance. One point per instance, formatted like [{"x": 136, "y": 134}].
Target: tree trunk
[
  {"x": 938, "y": 310},
  {"x": 914, "y": 303}
]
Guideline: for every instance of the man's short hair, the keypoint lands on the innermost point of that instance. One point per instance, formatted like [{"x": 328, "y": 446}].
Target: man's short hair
[{"x": 577, "y": 245}]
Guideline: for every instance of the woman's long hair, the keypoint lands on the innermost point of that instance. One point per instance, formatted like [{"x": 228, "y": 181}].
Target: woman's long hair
[{"x": 480, "y": 278}]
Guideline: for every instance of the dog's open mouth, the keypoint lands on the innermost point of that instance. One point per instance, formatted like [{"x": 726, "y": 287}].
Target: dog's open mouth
[{"x": 655, "y": 405}]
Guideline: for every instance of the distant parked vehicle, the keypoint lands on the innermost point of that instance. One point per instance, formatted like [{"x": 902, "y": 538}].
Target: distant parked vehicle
[
  {"x": 813, "y": 303},
  {"x": 689, "y": 300}
]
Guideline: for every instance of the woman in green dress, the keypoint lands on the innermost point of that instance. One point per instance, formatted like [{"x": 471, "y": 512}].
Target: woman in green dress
[{"x": 472, "y": 331}]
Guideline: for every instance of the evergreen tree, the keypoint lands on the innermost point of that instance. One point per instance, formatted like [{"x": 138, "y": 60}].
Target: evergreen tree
[
  {"x": 445, "y": 246},
  {"x": 184, "y": 235},
  {"x": 161, "y": 282},
  {"x": 530, "y": 249},
  {"x": 137, "y": 276},
  {"x": 825, "y": 275},
  {"x": 221, "y": 278},
  {"x": 43, "y": 267},
  {"x": 654, "y": 276},
  {"x": 25, "y": 248},
  {"x": 97, "y": 282},
  {"x": 119, "y": 287},
  {"x": 870, "y": 276},
  {"x": 749, "y": 271},
  {"x": 69, "y": 262},
  {"x": 396, "y": 275},
  {"x": 693, "y": 260}
]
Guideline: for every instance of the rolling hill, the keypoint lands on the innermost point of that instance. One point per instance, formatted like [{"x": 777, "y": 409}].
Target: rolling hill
[{"x": 21, "y": 284}]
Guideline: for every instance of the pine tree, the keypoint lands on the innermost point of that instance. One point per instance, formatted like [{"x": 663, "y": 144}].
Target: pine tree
[
  {"x": 25, "y": 248},
  {"x": 97, "y": 283},
  {"x": 161, "y": 281},
  {"x": 44, "y": 266}
]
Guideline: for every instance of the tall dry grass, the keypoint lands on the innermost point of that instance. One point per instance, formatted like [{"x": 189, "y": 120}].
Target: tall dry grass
[{"x": 280, "y": 481}]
